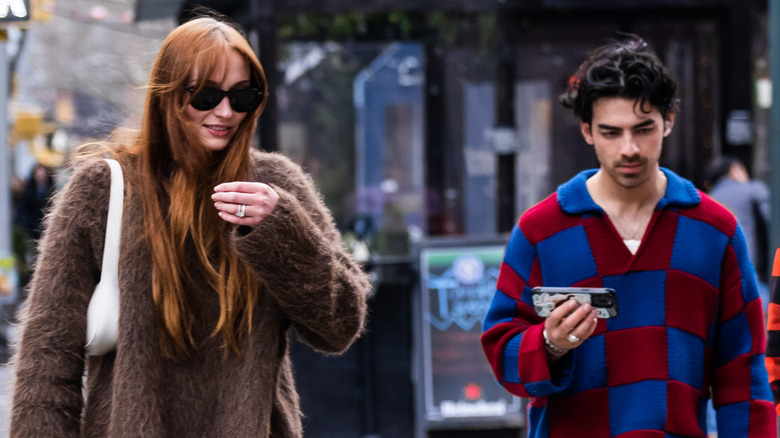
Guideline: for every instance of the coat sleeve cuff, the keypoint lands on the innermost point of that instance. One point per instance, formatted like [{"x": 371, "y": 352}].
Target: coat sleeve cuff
[{"x": 542, "y": 378}]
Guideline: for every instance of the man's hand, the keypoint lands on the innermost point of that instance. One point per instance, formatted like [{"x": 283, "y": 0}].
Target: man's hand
[{"x": 570, "y": 325}]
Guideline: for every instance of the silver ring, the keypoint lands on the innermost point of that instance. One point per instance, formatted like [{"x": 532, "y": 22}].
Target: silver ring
[
  {"x": 241, "y": 210},
  {"x": 573, "y": 339}
]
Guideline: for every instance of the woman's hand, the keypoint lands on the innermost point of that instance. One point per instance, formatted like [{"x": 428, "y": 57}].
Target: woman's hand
[
  {"x": 244, "y": 203},
  {"x": 570, "y": 325}
]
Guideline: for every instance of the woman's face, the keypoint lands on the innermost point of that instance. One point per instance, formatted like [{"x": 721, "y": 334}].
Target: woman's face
[{"x": 217, "y": 126}]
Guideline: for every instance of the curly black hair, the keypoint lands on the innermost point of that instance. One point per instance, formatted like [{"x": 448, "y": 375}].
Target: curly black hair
[{"x": 627, "y": 69}]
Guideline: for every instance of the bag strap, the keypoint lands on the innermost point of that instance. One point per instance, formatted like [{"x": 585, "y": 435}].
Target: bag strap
[
  {"x": 103, "y": 309},
  {"x": 114, "y": 222}
]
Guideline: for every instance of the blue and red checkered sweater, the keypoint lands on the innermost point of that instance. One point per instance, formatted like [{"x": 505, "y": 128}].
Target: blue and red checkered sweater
[{"x": 690, "y": 321}]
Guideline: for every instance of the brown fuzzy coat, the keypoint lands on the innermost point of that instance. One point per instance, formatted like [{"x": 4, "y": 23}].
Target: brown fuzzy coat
[{"x": 312, "y": 285}]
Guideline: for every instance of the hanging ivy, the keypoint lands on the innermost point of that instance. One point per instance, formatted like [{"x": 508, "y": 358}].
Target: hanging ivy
[{"x": 444, "y": 27}]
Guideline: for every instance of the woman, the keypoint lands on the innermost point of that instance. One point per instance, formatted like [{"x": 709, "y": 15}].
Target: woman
[{"x": 223, "y": 249}]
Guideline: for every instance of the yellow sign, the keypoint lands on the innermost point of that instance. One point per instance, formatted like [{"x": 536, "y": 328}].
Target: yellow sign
[
  {"x": 28, "y": 124},
  {"x": 7, "y": 279},
  {"x": 41, "y": 10}
]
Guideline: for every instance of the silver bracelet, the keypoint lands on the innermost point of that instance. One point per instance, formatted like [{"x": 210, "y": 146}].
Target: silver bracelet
[{"x": 555, "y": 351}]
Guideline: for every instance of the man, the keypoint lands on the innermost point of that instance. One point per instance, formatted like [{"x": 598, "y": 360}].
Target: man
[
  {"x": 748, "y": 199},
  {"x": 689, "y": 323}
]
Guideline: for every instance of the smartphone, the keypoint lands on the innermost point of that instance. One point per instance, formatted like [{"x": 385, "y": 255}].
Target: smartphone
[{"x": 603, "y": 299}]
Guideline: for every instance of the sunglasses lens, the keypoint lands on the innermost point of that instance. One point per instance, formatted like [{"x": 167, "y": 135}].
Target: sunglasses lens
[
  {"x": 241, "y": 100},
  {"x": 245, "y": 99},
  {"x": 207, "y": 99}
]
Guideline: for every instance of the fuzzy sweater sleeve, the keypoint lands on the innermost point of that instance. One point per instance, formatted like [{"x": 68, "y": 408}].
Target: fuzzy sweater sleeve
[
  {"x": 299, "y": 254},
  {"x": 49, "y": 361}
]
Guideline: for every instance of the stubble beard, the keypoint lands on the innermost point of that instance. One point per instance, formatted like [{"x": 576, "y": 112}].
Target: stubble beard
[{"x": 631, "y": 180}]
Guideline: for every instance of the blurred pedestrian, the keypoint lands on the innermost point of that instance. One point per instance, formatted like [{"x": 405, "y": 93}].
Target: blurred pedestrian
[
  {"x": 20, "y": 239},
  {"x": 38, "y": 190},
  {"x": 20, "y": 247},
  {"x": 730, "y": 183},
  {"x": 224, "y": 248},
  {"x": 17, "y": 200},
  {"x": 688, "y": 307}
]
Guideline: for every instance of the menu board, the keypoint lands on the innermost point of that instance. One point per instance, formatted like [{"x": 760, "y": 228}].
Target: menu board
[{"x": 457, "y": 286}]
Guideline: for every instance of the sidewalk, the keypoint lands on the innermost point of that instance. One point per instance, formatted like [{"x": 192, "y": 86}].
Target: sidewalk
[
  {"x": 5, "y": 399},
  {"x": 6, "y": 377}
]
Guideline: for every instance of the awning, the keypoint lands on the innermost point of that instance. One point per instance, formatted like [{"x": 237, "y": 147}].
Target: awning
[
  {"x": 156, "y": 9},
  {"x": 238, "y": 10}
]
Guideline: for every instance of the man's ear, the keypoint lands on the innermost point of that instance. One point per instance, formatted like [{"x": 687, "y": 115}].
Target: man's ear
[
  {"x": 668, "y": 124},
  {"x": 586, "y": 132}
]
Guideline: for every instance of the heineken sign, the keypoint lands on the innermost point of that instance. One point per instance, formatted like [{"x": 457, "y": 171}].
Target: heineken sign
[{"x": 14, "y": 10}]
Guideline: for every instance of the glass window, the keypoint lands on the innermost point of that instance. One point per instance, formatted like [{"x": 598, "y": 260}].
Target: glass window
[{"x": 352, "y": 116}]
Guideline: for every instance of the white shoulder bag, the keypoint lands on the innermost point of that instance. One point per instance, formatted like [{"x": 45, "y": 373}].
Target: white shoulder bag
[{"x": 103, "y": 311}]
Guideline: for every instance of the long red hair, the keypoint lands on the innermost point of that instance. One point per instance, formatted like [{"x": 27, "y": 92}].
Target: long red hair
[{"x": 175, "y": 178}]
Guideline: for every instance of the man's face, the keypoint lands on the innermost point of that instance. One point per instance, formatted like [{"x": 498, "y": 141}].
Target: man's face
[{"x": 627, "y": 140}]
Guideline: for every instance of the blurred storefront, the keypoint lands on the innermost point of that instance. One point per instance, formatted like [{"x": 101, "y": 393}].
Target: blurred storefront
[{"x": 429, "y": 127}]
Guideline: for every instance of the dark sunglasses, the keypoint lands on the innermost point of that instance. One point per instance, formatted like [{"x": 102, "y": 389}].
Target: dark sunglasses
[{"x": 242, "y": 100}]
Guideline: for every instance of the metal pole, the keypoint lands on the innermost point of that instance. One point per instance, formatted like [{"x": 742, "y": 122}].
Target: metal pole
[
  {"x": 774, "y": 123},
  {"x": 263, "y": 25},
  {"x": 505, "y": 121},
  {"x": 5, "y": 160},
  {"x": 7, "y": 267}
]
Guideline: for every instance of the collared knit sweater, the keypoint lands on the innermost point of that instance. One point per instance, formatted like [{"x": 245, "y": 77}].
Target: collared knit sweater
[
  {"x": 690, "y": 321},
  {"x": 312, "y": 284}
]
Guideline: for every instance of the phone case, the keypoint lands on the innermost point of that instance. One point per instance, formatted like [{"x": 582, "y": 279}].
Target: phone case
[{"x": 603, "y": 300}]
